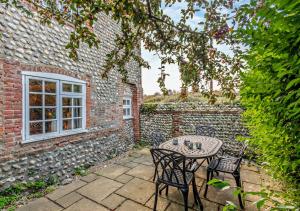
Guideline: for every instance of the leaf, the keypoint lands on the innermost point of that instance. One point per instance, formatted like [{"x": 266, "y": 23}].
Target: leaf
[
  {"x": 223, "y": 185},
  {"x": 292, "y": 83},
  {"x": 260, "y": 203}
]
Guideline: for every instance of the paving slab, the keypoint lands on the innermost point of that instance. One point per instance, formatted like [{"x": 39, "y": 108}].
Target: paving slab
[
  {"x": 249, "y": 167},
  {"x": 69, "y": 199},
  {"x": 251, "y": 177},
  {"x": 138, "y": 190},
  {"x": 176, "y": 207},
  {"x": 41, "y": 204},
  {"x": 162, "y": 203},
  {"x": 201, "y": 172},
  {"x": 142, "y": 171},
  {"x": 175, "y": 195},
  {"x": 209, "y": 206},
  {"x": 146, "y": 160},
  {"x": 112, "y": 201},
  {"x": 113, "y": 171},
  {"x": 219, "y": 196},
  {"x": 200, "y": 181},
  {"x": 250, "y": 187},
  {"x": 89, "y": 178},
  {"x": 86, "y": 205},
  {"x": 64, "y": 190},
  {"x": 130, "y": 164},
  {"x": 99, "y": 189},
  {"x": 124, "y": 178},
  {"x": 132, "y": 206}
]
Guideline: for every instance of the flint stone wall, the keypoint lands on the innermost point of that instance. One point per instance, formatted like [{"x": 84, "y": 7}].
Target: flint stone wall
[
  {"x": 177, "y": 119},
  {"x": 27, "y": 45}
]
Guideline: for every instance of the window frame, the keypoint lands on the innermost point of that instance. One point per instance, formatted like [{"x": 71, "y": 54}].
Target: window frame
[
  {"x": 59, "y": 79},
  {"x": 127, "y": 106}
]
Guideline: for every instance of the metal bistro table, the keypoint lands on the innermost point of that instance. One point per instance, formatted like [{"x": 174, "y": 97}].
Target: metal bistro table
[{"x": 210, "y": 146}]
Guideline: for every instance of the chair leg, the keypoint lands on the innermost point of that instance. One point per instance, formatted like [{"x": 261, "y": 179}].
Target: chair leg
[
  {"x": 156, "y": 195},
  {"x": 196, "y": 195},
  {"x": 185, "y": 193},
  {"x": 207, "y": 179},
  {"x": 154, "y": 176},
  {"x": 161, "y": 190},
  {"x": 238, "y": 183},
  {"x": 167, "y": 190}
]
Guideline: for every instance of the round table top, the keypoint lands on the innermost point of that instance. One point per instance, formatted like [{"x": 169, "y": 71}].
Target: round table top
[{"x": 210, "y": 146}]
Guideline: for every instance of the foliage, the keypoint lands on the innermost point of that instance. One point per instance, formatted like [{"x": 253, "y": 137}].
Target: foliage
[
  {"x": 148, "y": 108},
  {"x": 265, "y": 196},
  {"x": 270, "y": 89},
  {"x": 141, "y": 144},
  {"x": 9, "y": 196},
  {"x": 192, "y": 97},
  {"x": 174, "y": 41},
  {"x": 80, "y": 171}
]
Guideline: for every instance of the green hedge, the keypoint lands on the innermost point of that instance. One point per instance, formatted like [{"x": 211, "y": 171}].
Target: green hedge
[{"x": 271, "y": 89}]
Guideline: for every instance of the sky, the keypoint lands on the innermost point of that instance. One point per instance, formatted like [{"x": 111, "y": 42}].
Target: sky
[{"x": 150, "y": 76}]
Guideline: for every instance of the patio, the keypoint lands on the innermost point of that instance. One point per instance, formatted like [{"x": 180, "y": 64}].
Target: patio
[{"x": 126, "y": 184}]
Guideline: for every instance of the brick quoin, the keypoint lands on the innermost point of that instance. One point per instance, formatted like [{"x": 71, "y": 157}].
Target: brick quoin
[{"x": 11, "y": 116}]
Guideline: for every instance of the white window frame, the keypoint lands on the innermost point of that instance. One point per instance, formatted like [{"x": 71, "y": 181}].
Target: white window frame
[
  {"x": 59, "y": 79},
  {"x": 127, "y": 107}
]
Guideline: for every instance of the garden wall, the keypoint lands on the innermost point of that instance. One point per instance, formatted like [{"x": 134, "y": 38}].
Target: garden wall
[{"x": 181, "y": 119}]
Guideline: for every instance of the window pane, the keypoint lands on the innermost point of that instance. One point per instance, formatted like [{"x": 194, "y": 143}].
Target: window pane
[
  {"x": 77, "y": 112},
  {"x": 77, "y": 123},
  {"x": 67, "y": 87},
  {"x": 50, "y": 100},
  {"x": 35, "y": 99},
  {"x": 50, "y": 113},
  {"x": 67, "y": 101},
  {"x": 124, "y": 102},
  {"x": 50, "y": 87},
  {"x": 128, "y": 111},
  {"x": 50, "y": 127},
  {"x": 36, "y": 114},
  {"x": 77, "y": 101},
  {"x": 128, "y": 102},
  {"x": 35, "y": 85},
  {"x": 124, "y": 111},
  {"x": 77, "y": 88},
  {"x": 67, "y": 112},
  {"x": 67, "y": 124},
  {"x": 36, "y": 128}
]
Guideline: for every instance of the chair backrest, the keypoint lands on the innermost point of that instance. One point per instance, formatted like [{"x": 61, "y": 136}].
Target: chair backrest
[
  {"x": 169, "y": 166},
  {"x": 241, "y": 155},
  {"x": 235, "y": 147},
  {"x": 203, "y": 130},
  {"x": 157, "y": 138}
]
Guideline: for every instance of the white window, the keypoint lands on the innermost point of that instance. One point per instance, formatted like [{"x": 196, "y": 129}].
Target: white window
[
  {"x": 53, "y": 105},
  {"x": 127, "y": 108}
]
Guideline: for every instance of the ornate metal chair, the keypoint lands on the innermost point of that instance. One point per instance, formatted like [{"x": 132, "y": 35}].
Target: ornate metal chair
[
  {"x": 157, "y": 138},
  {"x": 171, "y": 171},
  {"x": 203, "y": 130},
  {"x": 230, "y": 165}
]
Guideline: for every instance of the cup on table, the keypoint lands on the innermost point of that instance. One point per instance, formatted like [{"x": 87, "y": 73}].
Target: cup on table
[
  {"x": 198, "y": 145},
  {"x": 186, "y": 142},
  {"x": 191, "y": 145},
  {"x": 175, "y": 141}
]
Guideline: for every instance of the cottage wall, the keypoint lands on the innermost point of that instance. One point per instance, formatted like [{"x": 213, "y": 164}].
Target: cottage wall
[{"x": 26, "y": 45}]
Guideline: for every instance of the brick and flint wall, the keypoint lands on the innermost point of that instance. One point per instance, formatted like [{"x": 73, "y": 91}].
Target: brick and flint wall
[
  {"x": 176, "y": 119},
  {"x": 26, "y": 45}
]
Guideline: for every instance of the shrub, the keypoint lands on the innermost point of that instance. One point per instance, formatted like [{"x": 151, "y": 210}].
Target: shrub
[{"x": 270, "y": 89}]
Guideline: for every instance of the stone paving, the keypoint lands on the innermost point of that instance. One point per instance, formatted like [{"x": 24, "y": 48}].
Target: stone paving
[{"x": 126, "y": 185}]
